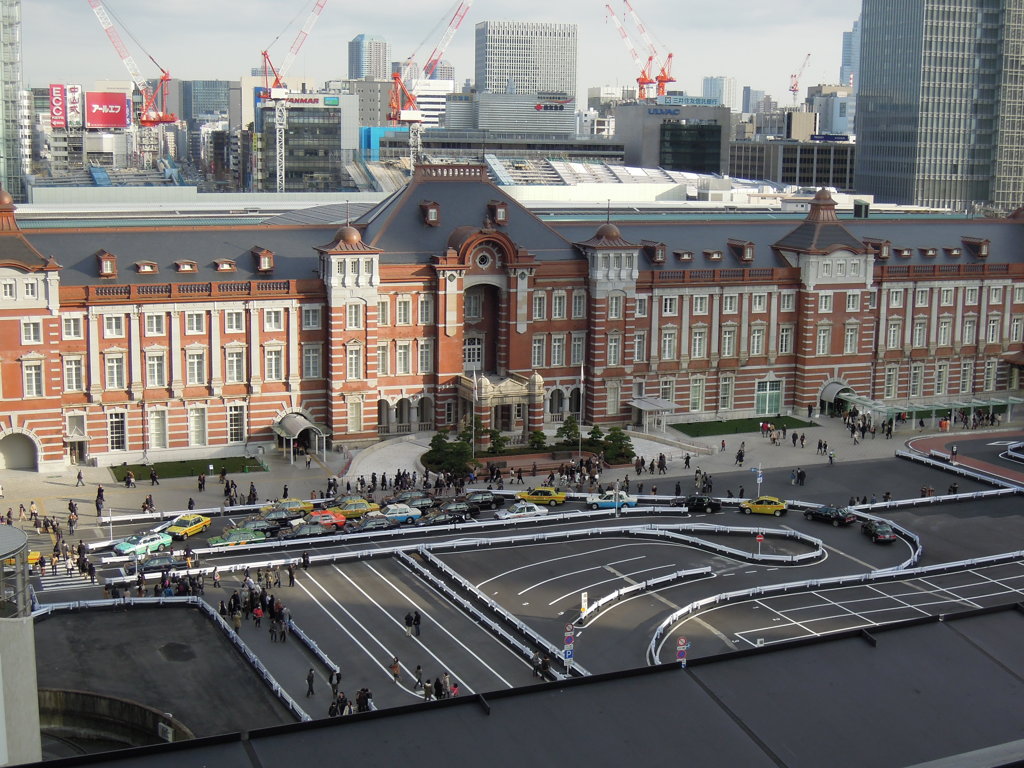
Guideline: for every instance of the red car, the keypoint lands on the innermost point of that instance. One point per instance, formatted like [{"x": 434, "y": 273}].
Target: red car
[{"x": 330, "y": 518}]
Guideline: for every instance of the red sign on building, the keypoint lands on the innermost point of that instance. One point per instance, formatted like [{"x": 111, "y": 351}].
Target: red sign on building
[
  {"x": 104, "y": 109},
  {"x": 58, "y": 107}
]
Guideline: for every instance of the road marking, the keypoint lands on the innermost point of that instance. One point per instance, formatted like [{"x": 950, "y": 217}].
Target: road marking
[
  {"x": 393, "y": 620},
  {"x": 618, "y": 576},
  {"x": 633, "y": 543},
  {"x": 829, "y": 547},
  {"x": 951, "y": 593},
  {"x": 574, "y": 573},
  {"x": 442, "y": 627}
]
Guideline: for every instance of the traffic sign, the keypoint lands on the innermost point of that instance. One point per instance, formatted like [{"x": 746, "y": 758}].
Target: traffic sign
[
  {"x": 570, "y": 628},
  {"x": 568, "y": 641},
  {"x": 567, "y": 654},
  {"x": 681, "y": 641},
  {"x": 681, "y": 654},
  {"x": 760, "y": 538}
]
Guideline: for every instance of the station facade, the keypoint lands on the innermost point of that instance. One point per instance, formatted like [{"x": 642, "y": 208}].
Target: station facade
[{"x": 449, "y": 298}]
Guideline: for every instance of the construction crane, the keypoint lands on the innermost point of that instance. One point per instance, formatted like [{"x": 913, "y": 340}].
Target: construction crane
[
  {"x": 277, "y": 91},
  {"x": 402, "y": 105},
  {"x": 644, "y": 81},
  {"x": 664, "y": 76},
  {"x": 794, "y": 80}
]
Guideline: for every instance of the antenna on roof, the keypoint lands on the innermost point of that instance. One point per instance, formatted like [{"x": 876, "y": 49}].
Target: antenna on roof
[
  {"x": 608, "y": 215},
  {"x": 348, "y": 218}
]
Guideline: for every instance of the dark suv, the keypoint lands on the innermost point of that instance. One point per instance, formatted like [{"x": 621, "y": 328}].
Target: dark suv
[
  {"x": 836, "y": 515},
  {"x": 478, "y": 500}
]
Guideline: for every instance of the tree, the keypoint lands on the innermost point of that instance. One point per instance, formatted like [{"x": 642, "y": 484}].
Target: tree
[
  {"x": 618, "y": 446},
  {"x": 468, "y": 434},
  {"x": 569, "y": 432},
  {"x": 538, "y": 440},
  {"x": 596, "y": 434},
  {"x": 498, "y": 441}
]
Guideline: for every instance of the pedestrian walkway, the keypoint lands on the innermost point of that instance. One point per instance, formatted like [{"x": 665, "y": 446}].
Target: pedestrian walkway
[{"x": 62, "y": 582}]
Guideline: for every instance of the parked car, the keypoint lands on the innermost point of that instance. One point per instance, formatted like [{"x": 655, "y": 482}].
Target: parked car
[
  {"x": 521, "y": 509},
  {"x": 355, "y": 506},
  {"x": 457, "y": 507},
  {"x": 441, "y": 517},
  {"x": 482, "y": 500},
  {"x": 331, "y": 518},
  {"x": 423, "y": 503},
  {"x": 610, "y": 499},
  {"x": 184, "y": 526},
  {"x": 163, "y": 561},
  {"x": 372, "y": 521},
  {"x": 277, "y": 518},
  {"x": 299, "y": 506},
  {"x": 878, "y": 531},
  {"x": 401, "y": 513},
  {"x": 697, "y": 503},
  {"x": 237, "y": 536},
  {"x": 268, "y": 528},
  {"x": 305, "y": 531},
  {"x": 405, "y": 496},
  {"x": 764, "y": 505},
  {"x": 836, "y": 515},
  {"x": 545, "y": 495},
  {"x": 143, "y": 544}
]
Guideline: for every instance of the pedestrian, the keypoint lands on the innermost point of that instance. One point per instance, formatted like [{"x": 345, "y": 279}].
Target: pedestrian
[
  {"x": 310, "y": 677},
  {"x": 722, "y": 449},
  {"x": 236, "y": 620},
  {"x": 438, "y": 689},
  {"x": 305, "y": 561},
  {"x": 257, "y": 616},
  {"x": 408, "y": 625},
  {"x": 291, "y": 575},
  {"x": 831, "y": 457},
  {"x": 191, "y": 503},
  {"x": 309, "y": 460},
  {"x": 416, "y": 619},
  {"x": 535, "y": 663},
  {"x": 396, "y": 669},
  {"x": 455, "y": 688},
  {"x": 284, "y": 494},
  {"x": 81, "y": 479},
  {"x": 419, "y": 677},
  {"x": 92, "y": 572},
  {"x": 153, "y": 478},
  {"x": 686, "y": 461},
  {"x": 216, "y": 577},
  {"x": 446, "y": 684},
  {"x": 952, "y": 458},
  {"x": 334, "y": 680},
  {"x": 428, "y": 690}
]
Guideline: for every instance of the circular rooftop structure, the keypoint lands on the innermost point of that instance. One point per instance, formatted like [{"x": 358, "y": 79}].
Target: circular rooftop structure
[{"x": 12, "y": 541}]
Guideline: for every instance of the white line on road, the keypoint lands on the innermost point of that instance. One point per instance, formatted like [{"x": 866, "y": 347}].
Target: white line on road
[
  {"x": 556, "y": 559},
  {"x": 618, "y": 576},
  {"x": 574, "y": 573}
]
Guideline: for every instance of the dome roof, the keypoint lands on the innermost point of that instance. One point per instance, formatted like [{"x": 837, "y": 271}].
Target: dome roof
[
  {"x": 5, "y": 197},
  {"x": 348, "y": 235},
  {"x": 609, "y": 232}
]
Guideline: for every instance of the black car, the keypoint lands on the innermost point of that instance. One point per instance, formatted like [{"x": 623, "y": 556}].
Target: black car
[
  {"x": 836, "y": 515},
  {"x": 422, "y": 503},
  {"x": 478, "y": 500},
  {"x": 405, "y": 497},
  {"x": 878, "y": 531},
  {"x": 441, "y": 517},
  {"x": 161, "y": 561},
  {"x": 271, "y": 527},
  {"x": 305, "y": 531},
  {"x": 697, "y": 503},
  {"x": 372, "y": 522},
  {"x": 457, "y": 507}
]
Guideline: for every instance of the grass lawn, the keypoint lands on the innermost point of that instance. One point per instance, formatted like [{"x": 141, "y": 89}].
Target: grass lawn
[
  {"x": 735, "y": 426},
  {"x": 167, "y": 469}
]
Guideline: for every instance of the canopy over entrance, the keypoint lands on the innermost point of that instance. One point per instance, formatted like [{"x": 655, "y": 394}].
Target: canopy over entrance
[
  {"x": 832, "y": 390},
  {"x": 291, "y": 425},
  {"x": 652, "y": 411}
]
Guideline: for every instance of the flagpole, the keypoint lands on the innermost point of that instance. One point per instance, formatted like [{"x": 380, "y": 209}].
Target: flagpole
[
  {"x": 579, "y": 451},
  {"x": 472, "y": 421}
]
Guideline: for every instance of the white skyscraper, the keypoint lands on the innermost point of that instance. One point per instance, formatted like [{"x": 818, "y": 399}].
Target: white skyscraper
[
  {"x": 10, "y": 97},
  {"x": 369, "y": 56},
  {"x": 724, "y": 89},
  {"x": 525, "y": 57}
]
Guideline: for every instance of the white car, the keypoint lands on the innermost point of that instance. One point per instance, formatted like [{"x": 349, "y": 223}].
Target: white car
[
  {"x": 521, "y": 509},
  {"x": 607, "y": 500},
  {"x": 401, "y": 513}
]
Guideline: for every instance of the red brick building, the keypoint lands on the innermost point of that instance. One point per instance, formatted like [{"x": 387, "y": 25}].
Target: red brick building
[{"x": 125, "y": 343}]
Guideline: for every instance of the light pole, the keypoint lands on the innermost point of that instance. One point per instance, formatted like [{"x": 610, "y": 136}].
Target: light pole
[{"x": 616, "y": 502}]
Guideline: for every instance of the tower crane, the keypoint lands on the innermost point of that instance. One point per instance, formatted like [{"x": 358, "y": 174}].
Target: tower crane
[
  {"x": 402, "y": 105},
  {"x": 664, "y": 76},
  {"x": 794, "y": 80},
  {"x": 278, "y": 91},
  {"x": 644, "y": 81},
  {"x": 150, "y": 116}
]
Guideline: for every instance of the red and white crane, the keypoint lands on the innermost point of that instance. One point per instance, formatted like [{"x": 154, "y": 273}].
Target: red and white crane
[
  {"x": 277, "y": 90},
  {"x": 664, "y": 76},
  {"x": 402, "y": 105},
  {"x": 149, "y": 114},
  {"x": 644, "y": 80},
  {"x": 794, "y": 80}
]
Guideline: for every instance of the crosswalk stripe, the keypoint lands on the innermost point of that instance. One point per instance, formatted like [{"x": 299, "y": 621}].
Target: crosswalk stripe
[{"x": 63, "y": 581}]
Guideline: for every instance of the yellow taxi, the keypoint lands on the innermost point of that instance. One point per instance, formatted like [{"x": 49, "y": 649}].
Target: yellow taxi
[
  {"x": 354, "y": 506},
  {"x": 184, "y": 526},
  {"x": 33, "y": 559},
  {"x": 764, "y": 505},
  {"x": 545, "y": 495},
  {"x": 295, "y": 505}
]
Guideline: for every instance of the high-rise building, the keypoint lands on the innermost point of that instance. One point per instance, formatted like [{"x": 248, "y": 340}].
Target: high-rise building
[
  {"x": 940, "y": 104},
  {"x": 444, "y": 70},
  {"x": 10, "y": 97},
  {"x": 369, "y": 56},
  {"x": 723, "y": 89},
  {"x": 753, "y": 100},
  {"x": 525, "y": 57},
  {"x": 849, "y": 70}
]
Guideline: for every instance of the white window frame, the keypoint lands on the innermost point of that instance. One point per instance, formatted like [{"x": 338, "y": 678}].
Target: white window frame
[
  {"x": 921, "y": 297},
  {"x": 312, "y": 361},
  {"x": 156, "y": 324},
  {"x": 946, "y": 297},
  {"x": 425, "y": 355},
  {"x": 895, "y": 298},
  {"x": 579, "y": 305},
  {"x": 540, "y": 305},
  {"x": 74, "y": 374},
  {"x": 273, "y": 364},
  {"x": 538, "y": 351},
  {"x": 384, "y": 311},
  {"x": 234, "y": 321},
  {"x": 730, "y": 304},
  {"x": 273, "y": 320},
  {"x": 156, "y": 369},
  {"x": 615, "y": 302},
  {"x": 698, "y": 343},
  {"x": 786, "y": 340},
  {"x": 234, "y": 366},
  {"x": 32, "y": 378},
  {"x": 823, "y": 340},
  {"x": 312, "y": 317},
  {"x": 824, "y": 302},
  {"x": 198, "y": 426},
  {"x": 700, "y": 304},
  {"x": 759, "y": 302},
  {"x": 669, "y": 343},
  {"x": 728, "y": 348},
  {"x": 195, "y": 367},
  {"x": 403, "y": 358},
  {"x": 403, "y": 310},
  {"x": 851, "y": 339},
  {"x": 557, "y": 351},
  {"x": 113, "y": 326},
  {"x": 113, "y": 371},
  {"x": 31, "y": 331},
  {"x": 427, "y": 314},
  {"x": 71, "y": 327},
  {"x": 853, "y": 301},
  {"x": 757, "y": 337},
  {"x": 236, "y": 422},
  {"x": 117, "y": 439},
  {"x": 354, "y": 362},
  {"x": 669, "y": 306},
  {"x": 195, "y": 323},
  {"x": 354, "y": 316},
  {"x": 614, "y": 349},
  {"x": 787, "y": 301},
  {"x": 642, "y": 306}
]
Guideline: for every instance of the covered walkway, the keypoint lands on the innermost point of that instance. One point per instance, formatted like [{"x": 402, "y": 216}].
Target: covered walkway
[{"x": 290, "y": 426}]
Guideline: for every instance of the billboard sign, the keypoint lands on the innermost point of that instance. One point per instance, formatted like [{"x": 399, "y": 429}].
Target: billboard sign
[
  {"x": 106, "y": 109},
  {"x": 58, "y": 107},
  {"x": 73, "y": 96}
]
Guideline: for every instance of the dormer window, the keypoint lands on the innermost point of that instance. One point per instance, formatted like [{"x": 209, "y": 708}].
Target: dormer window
[
  {"x": 264, "y": 259},
  {"x": 655, "y": 251},
  {"x": 431, "y": 213},
  {"x": 928, "y": 253},
  {"x": 499, "y": 212},
  {"x": 904, "y": 253},
  {"x": 953, "y": 253},
  {"x": 977, "y": 247},
  {"x": 225, "y": 265},
  {"x": 684, "y": 255},
  {"x": 713, "y": 255},
  {"x": 146, "y": 267},
  {"x": 107, "y": 264},
  {"x": 882, "y": 249},
  {"x": 744, "y": 249},
  {"x": 186, "y": 266}
]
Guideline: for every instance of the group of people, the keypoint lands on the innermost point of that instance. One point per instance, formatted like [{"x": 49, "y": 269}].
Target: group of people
[{"x": 255, "y": 603}]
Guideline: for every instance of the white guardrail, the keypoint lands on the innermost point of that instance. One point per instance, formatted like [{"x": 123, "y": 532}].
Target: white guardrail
[{"x": 211, "y": 613}]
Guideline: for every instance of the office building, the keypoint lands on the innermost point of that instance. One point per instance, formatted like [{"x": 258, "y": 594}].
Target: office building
[
  {"x": 13, "y": 118},
  {"x": 199, "y": 342},
  {"x": 723, "y": 89},
  {"x": 849, "y": 70},
  {"x": 444, "y": 70},
  {"x": 940, "y": 105},
  {"x": 369, "y": 56},
  {"x": 795, "y": 163},
  {"x": 519, "y": 57},
  {"x": 753, "y": 100},
  {"x": 677, "y": 138},
  {"x": 548, "y": 113},
  {"x": 836, "y": 107}
]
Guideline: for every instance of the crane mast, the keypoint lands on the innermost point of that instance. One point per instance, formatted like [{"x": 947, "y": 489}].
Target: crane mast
[
  {"x": 644, "y": 81},
  {"x": 794, "y": 80},
  {"x": 664, "y": 76}
]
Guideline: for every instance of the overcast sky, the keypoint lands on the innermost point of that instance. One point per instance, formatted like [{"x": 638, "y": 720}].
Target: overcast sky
[{"x": 760, "y": 43}]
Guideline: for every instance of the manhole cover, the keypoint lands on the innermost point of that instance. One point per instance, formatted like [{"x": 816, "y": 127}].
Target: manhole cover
[{"x": 177, "y": 652}]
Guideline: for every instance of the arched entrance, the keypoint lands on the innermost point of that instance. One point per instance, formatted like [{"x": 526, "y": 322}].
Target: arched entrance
[
  {"x": 298, "y": 434},
  {"x": 18, "y": 451},
  {"x": 425, "y": 413},
  {"x": 829, "y": 402},
  {"x": 556, "y": 405}
]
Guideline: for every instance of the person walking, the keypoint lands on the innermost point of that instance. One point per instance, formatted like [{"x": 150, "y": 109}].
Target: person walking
[
  {"x": 334, "y": 680},
  {"x": 81, "y": 479},
  {"x": 396, "y": 669},
  {"x": 419, "y": 678},
  {"x": 408, "y": 625},
  {"x": 305, "y": 561},
  {"x": 310, "y": 677},
  {"x": 416, "y": 619},
  {"x": 428, "y": 690},
  {"x": 154, "y": 479}
]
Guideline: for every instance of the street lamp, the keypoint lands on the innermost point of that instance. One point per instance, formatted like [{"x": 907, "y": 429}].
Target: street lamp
[{"x": 616, "y": 502}]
